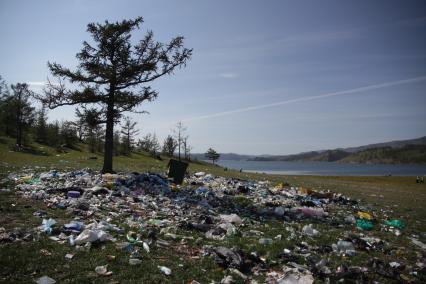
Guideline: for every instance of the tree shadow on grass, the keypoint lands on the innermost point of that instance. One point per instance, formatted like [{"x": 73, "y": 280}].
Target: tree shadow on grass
[{"x": 29, "y": 150}]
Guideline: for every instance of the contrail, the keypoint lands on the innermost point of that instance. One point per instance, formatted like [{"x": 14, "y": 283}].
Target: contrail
[{"x": 310, "y": 98}]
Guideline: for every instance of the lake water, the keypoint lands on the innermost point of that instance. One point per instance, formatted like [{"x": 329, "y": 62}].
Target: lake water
[{"x": 325, "y": 168}]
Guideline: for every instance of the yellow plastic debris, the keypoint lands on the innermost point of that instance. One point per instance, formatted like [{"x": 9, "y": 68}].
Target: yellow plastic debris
[
  {"x": 109, "y": 185},
  {"x": 303, "y": 191},
  {"x": 174, "y": 187},
  {"x": 279, "y": 186},
  {"x": 26, "y": 179},
  {"x": 364, "y": 215},
  {"x": 110, "y": 177}
]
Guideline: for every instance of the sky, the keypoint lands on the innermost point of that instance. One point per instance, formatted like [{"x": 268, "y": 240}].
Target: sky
[{"x": 266, "y": 77}]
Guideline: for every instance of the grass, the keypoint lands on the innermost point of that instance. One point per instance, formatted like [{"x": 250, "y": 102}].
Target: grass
[{"x": 24, "y": 261}]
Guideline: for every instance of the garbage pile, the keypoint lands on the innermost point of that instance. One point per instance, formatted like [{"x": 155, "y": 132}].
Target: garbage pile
[{"x": 143, "y": 212}]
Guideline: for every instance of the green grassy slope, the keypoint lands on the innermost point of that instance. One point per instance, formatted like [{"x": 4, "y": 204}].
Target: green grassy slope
[{"x": 402, "y": 193}]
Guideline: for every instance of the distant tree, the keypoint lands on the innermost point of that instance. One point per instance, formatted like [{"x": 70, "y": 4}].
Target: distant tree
[
  {"x": 20, "y": 106},
  {"x": 110, "y": 71},
  {"x": 169, "y": 146},
  {"x": 80, "y": 124},
  {"x": 149, "y": 143},
  {"x": 41, "y": 126},
  {"x": 145, "y": 144},
  {"x": 53, "y": 138},
  {"x": 128, "y": 131},
  {"x": 155, "y": 145},
  {"x": 4, "y": 90},
  {"x": 88, "y": 127},
  {"x": 99, "y": 134},
  {"x": 212, "y": 155},
  {"x": 117, "y": 143},
  {"x": 7, "y": 117},
  {"x": 186, "y": 148},
  {"x": 68, "y": 134},
  {"x": 179, "y": 133}
]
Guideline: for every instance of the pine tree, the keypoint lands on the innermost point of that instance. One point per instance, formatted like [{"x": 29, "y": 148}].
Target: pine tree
[
  {"x": 41, "y": 126},
  {"x": 155, "y": 145},
  {"x": 110, "y": 72},
  {"x": 68, "y": 134},
  {"x": 169, "y": 146},
  {"x": 88, "y": 121},
  {"x": 6, "y": 117},
  {"x": 145, "y": 144},
  {"x": 53, "y": 134},
  {"x": 117, "y": 143},
  {"x": 21, "y": 107},
  {"x": 212, "y": 155},
  {"x": 128, "y": 132},
  {"x": 80, "y": 124}
]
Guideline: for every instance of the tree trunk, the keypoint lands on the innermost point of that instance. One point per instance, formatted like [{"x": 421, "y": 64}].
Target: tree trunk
[
  {"x": 128, "y": 142},
  {"x": 18, "y": 124},
  {"x": 109, "y": 135},
  {"x": 179, "y": 142},
  {"x": 80, "y": 134}
]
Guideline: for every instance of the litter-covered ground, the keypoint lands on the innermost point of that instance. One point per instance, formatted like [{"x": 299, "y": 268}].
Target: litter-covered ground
[{"x": 131, "y": 227}]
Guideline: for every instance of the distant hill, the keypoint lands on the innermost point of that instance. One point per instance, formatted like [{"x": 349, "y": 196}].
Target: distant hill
[
  {"x": 412, "y": 151},
  {"x": 392, "y": 144},
  {"x": 408, "y": 154},
  {"x": 394, "y": 152},
  {"x": 224, "y": 156}
]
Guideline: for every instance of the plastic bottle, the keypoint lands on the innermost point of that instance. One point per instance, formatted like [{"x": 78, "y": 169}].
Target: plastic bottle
[{"x": 346, "y": 247}]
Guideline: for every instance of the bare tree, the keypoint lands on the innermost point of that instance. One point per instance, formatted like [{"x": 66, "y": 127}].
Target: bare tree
[
  {"x": 186, "y": 148},
  {"x": 179, "y": 133}
]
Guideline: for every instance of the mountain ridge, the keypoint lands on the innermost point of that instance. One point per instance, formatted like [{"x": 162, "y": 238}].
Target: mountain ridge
[{"x": 396, "y": 151}]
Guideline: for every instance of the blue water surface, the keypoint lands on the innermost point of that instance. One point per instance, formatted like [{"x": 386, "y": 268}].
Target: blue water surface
[{"x": 325, "y": 168}]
